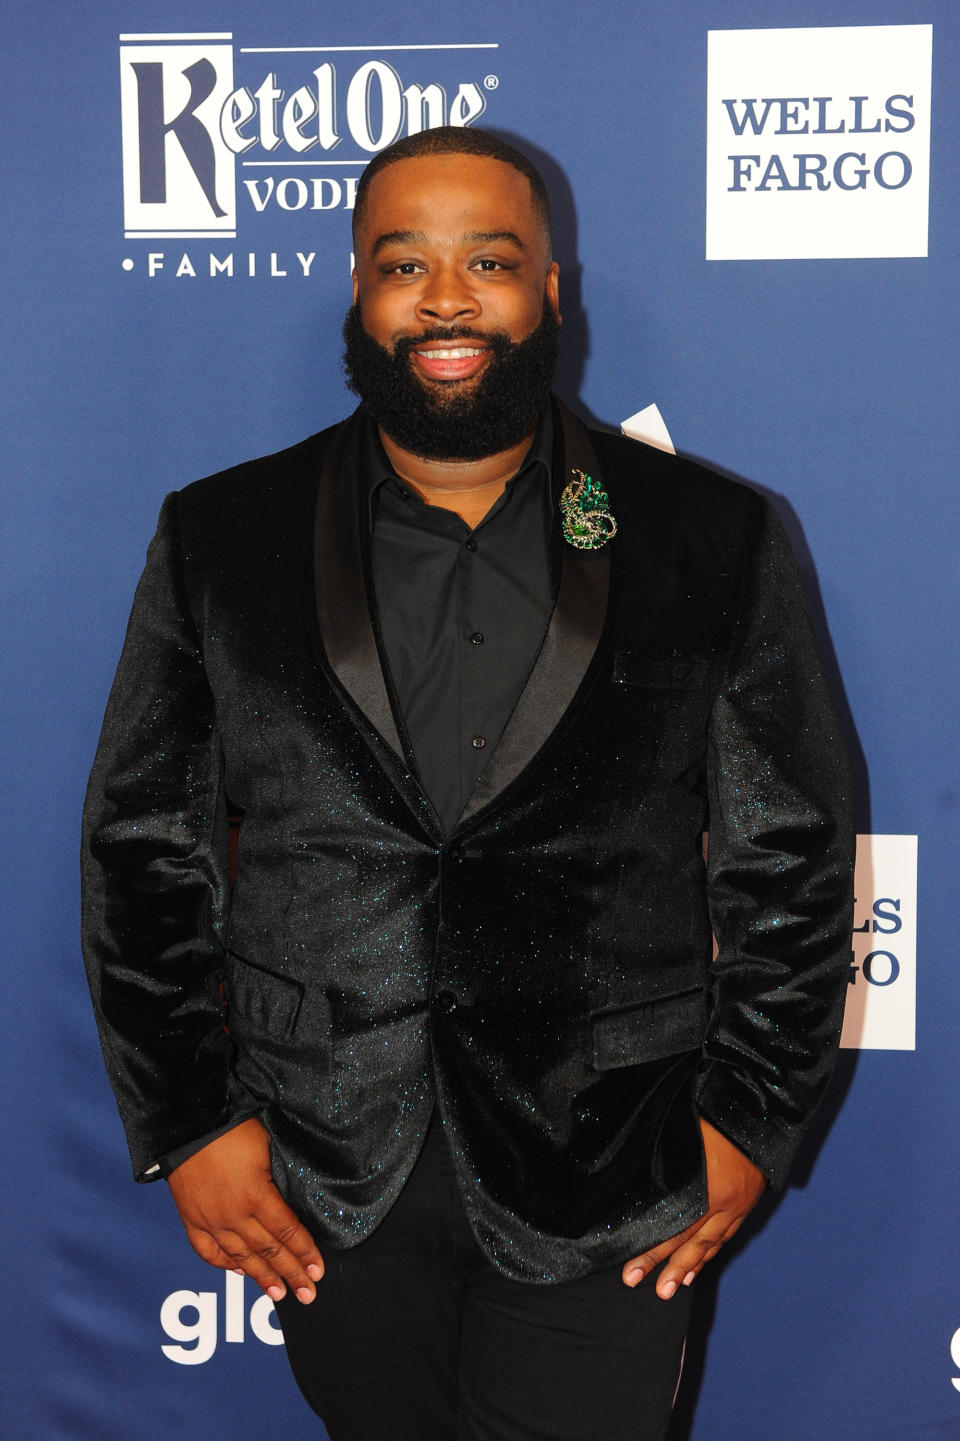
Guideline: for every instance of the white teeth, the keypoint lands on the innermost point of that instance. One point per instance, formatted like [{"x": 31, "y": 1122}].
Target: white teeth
[{"x": 461, "y": 352}]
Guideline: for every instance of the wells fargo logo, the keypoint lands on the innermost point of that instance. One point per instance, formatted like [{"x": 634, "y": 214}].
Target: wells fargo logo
[{"x": 818, "y": 142}]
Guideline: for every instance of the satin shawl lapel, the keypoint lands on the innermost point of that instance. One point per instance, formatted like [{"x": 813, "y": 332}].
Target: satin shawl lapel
[
  {"x": 569, "y": 645},
  {"x": 340, "y": 590}
]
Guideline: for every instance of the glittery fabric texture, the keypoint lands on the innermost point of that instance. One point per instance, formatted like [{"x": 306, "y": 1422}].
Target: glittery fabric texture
[{"x": 543, "y": 973}]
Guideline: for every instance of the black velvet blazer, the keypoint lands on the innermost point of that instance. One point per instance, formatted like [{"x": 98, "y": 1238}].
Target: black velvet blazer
[{"x": 543, "y": 974}]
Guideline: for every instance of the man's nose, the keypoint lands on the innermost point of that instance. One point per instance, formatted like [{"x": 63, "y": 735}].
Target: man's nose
[{"x": 447, "y": 296}]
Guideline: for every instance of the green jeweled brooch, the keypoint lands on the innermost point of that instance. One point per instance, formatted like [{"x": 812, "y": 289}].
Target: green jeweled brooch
[{"x": 587, "y": 522}]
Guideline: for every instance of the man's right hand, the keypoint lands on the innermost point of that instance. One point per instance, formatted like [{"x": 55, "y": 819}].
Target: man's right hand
[{"x": 236, "y": 1218}]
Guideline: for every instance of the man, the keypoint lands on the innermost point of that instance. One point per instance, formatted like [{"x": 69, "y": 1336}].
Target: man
[{"x": 478, "y": 681}]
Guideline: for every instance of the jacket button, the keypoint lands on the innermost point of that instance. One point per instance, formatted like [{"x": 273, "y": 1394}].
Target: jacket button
[{"x": 446, "y": 1002}]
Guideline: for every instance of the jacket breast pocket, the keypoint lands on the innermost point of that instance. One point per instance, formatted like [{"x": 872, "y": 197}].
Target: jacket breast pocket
[
  {"x": 659, "y": 672},
  {"x": 260, "y": 999},
  {"x": 650, "y": 1031}
]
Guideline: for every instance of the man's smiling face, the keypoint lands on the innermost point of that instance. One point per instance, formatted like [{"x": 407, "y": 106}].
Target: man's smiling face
[{"x": 452, "y": 338}]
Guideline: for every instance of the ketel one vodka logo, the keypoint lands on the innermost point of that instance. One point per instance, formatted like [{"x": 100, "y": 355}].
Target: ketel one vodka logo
[{"x": 188, "y": 126}]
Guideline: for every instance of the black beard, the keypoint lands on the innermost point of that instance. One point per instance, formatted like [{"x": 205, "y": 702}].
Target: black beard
[{"x": 454, "y": 420}]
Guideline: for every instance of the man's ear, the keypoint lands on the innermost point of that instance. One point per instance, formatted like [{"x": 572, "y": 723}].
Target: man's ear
[
  {"x": 552, "y": 287},
  {"x": 353, "y": 276}
]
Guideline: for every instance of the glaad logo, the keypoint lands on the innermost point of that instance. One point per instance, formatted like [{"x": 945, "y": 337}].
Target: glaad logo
[
  {"x": 186, "y": 125},
  {"x": 818, "y": 142},
  {"x": 189, "y": 1321},
  {"x": 882, "y": 995}
]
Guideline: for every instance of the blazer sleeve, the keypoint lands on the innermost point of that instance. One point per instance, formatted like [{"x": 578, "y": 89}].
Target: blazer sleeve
[
  {"x": 155, "y": 874},
  {"x": 779, "y": 869}
]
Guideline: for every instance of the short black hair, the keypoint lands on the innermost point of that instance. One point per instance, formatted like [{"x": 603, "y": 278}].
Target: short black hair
[{"x": 455, "y": 140}]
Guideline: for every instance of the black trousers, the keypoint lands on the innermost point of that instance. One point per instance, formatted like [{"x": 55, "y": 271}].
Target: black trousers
[{"x": 415, "y": 1336}]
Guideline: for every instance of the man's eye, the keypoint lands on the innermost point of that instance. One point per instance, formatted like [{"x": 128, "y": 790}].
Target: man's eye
[
  {"x": 406, "y": 267},
  {"x": 489, "y": 265}
]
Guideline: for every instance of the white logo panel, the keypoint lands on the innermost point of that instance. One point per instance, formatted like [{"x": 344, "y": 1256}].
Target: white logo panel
[
  {"x": 178, "y": 171},
  {"x": 882, "y": 995},
  {"x": 818, "y": 142}
]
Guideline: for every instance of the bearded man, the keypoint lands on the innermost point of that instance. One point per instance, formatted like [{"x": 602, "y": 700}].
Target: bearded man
[{"x": 478, "y": 681}]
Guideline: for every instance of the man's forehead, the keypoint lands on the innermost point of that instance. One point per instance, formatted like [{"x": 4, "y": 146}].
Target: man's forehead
[{"x": 449, "y": 183}]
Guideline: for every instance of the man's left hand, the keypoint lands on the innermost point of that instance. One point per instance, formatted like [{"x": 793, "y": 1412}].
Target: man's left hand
[{"x": 734, "y": 1186}]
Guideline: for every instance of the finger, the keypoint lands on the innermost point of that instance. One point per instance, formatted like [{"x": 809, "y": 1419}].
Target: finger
[
  {"x": 266, "y": 1259},
  {"x": 282, "y": 1223},
  {"x": 297, "y": 1257},
  {"x": 267, "y": 1242},
  {"x": 208, "y": 1250},
  {"x": 686, "y": 1252},
  {"x": 685, "y": 1265},
  {"x": 637, "y": 1267},
  {"x": 229, "y": 1253},
  {"x": 243, "y": 1253},
  {"x": 689, "y": 1259}
]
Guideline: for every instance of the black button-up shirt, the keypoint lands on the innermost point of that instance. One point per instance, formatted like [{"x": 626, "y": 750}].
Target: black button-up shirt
[{"x": 462, "y": 613}]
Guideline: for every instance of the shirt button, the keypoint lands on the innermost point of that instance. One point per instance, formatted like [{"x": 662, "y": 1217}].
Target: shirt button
[
  {"x": 446, "y": 1002},
  {"x": 471, "y": 544},
  {"x": 478, "y": 743},
  {"x": 477, "y": 637}
]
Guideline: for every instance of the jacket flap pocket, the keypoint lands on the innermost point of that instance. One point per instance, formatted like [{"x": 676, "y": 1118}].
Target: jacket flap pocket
[
  {"x": 664, "y": 672},
  {"x": 651, "y": 1031},
  {"x": 269, "y": 1002}
]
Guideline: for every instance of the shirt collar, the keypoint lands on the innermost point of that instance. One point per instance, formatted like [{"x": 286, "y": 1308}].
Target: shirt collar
[{"x": 376, "y": 470}]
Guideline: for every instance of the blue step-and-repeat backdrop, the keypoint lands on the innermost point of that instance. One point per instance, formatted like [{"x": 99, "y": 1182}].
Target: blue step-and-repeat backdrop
[{"x": 757, "y": 227}]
